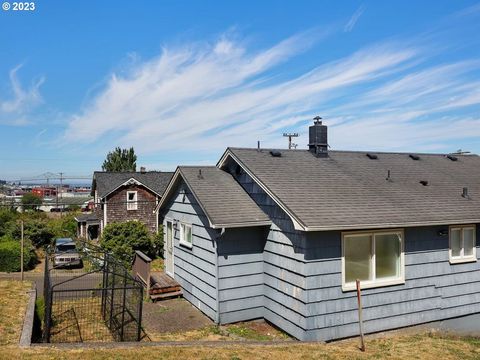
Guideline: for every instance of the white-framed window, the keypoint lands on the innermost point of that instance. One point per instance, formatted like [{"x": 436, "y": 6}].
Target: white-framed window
[
  {"x": 132, "y": 200},
  {"x": 462, "y": 244},
  {"x": 376, "y": 258},
  {"x": 186, "y": 235}
]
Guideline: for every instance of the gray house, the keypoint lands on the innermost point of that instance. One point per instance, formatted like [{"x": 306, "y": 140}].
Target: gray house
[{"x": 283, "y": 235}]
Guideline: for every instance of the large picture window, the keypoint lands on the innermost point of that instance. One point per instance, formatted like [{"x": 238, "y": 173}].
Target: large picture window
[
  {"x": 375, "y": 258},
  {"x": 462, "y": 244}
]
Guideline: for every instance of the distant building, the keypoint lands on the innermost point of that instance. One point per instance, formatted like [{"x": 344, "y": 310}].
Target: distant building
[{"x": 123, "y": 196}]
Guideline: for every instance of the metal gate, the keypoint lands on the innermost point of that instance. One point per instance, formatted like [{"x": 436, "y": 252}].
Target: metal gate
[{"x": 95, "y": 300}]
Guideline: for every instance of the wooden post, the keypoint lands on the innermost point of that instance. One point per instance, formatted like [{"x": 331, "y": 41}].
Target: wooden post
[
  {"x": 21, "y": 250},
  {"x": 360, "y": 318}
]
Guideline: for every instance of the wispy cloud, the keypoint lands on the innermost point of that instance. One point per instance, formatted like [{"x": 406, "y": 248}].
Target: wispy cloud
[
  {"x": 202, "y": 98},
  {"x": 15, "y": 108},
  {"x": 354, "y": 18},
  {"x": 220, "y": 94}
]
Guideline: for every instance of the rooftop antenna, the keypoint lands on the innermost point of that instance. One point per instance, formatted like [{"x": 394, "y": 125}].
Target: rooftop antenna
[{"x": 291, "y": 145}]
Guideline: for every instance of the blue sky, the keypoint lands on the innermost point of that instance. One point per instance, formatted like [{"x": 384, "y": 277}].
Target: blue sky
[{"x": 181, "y": 80}]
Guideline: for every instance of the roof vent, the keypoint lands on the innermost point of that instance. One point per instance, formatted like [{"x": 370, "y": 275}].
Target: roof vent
[
  {"x": 388, "y": 176},
  {"x": 451, "y": 157},
  {"x": 143, "y": 170},
  {"x": 200, "y": 176},
  {"x": 317, "y": 141},
  {"x": 372, "y": 156},
  {"x": 465, "y": 193},
  {"x": 424, "y": 182},
  {"x": 414, "y": 157},
  {"x": 275, "y": 153}
]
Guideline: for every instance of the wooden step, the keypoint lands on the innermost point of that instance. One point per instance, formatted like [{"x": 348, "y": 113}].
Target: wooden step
[
  {"x": 164, "y": 290},
  {"x": 155, "y": 297}
]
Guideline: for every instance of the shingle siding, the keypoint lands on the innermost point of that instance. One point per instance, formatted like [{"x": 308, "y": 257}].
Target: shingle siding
[
  {"x": 303, "y": 278},
  {"x": 195, "y": 268},
  {"x": 294, "y": 279},
  {"x": 284, "y": 297},
  {"x": 117, "y": 207},
  {"x": 240, "y": 272}
]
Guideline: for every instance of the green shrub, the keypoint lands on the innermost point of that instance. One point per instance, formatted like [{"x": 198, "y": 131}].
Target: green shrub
[
  {"x": 122, "y": 239},
  {"x": 7, "y": 219},
  {"x": 65, "y": 226},
  {"x": 158, "y": 243},
  {"x": 10, "y": 256},
  {"x": 36, "y": 230}
]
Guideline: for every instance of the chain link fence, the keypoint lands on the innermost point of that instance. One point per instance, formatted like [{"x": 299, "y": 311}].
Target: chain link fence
[{"x": 89, "y": 296}]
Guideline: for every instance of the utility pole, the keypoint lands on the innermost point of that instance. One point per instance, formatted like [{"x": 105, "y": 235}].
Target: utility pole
[
  {"x": 61, "y": 188},
  {"x": 290, "y": 144}
]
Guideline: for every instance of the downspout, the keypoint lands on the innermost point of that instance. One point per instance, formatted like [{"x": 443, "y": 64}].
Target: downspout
[{"x": 217, "y": 317}]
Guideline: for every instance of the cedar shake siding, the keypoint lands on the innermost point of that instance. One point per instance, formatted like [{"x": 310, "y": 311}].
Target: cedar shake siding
[
  {"x": 146, "y": 201},
  {"x": 110, "y": 190}
]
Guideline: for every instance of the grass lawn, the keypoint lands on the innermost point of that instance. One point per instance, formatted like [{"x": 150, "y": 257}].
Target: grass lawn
[
  {"x": 13, "y": 303},
  {"x": 429, "y": 346}
]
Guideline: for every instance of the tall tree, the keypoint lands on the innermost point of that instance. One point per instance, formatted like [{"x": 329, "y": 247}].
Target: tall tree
[
  {"x": 120, "y": 160},
  {"x": 31, "y": 201}
]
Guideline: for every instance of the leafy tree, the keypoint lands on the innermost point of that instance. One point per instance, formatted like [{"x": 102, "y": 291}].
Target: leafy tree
[
  {"x": 122, "y": 239},
  {"x": 65, "y": 226},
  {"x": 31, "y": 201},
  {"x": 35, "y": 230},
  {"x": 120, "y": 160},
  {"x": 7, "y": 218}
]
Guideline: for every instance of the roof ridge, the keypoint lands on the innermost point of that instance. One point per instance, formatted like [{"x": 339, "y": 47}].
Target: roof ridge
[{"x": 356, "y": 151}]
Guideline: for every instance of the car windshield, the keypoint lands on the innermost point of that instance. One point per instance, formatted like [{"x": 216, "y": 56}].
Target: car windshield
[{"x": 65, "y": 248}]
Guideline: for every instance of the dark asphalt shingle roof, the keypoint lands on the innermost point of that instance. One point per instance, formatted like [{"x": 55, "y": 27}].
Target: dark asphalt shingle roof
[
  {"x": 349, "y": 190},
  {"x": 105, "y": 182},
  {"x": 222, "y": 199},
  {"x": 86, "y": 217}
]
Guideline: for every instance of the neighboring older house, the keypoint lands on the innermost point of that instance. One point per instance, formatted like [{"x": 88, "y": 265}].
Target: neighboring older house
[
  {"x": 123, "y": 196},
  {"x": 283, "y": 235}
]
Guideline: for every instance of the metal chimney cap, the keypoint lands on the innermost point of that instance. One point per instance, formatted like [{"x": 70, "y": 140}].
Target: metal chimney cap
[
  {"x": 143, "y": 169},
  {"x": 317, "y": 120}
]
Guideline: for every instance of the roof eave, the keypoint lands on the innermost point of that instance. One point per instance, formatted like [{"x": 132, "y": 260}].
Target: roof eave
[
  {"x": 240, "y": 225},
  {"x": 391, "y": 225}
]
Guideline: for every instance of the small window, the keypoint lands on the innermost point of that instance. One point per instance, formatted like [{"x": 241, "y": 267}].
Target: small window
[
  {"x": 131, "y": 200},
  {"x": 375, "y": 258},
  {"x": 462, "y": 244},
  {"x": 186, "y": 235}
]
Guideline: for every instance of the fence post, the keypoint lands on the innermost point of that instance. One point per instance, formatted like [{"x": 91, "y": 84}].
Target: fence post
[
  {"x": 140, "y": 309},
  {"x": 360, "y": 317},
  {"x": 46, "y": 290},
  {"x": 104, "y": 285},
  {"x": 123, "y": 305},
  {"x": 112, "y": 297}
]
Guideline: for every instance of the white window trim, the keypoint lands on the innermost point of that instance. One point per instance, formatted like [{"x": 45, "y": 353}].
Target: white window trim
[
  {"x": 182, "y": 241},
  {"x": 165, "y": 234},
  {"x": 375, "y": 283},
  {"x": 462, "y": 259},
  {"x": 132, "y": 204}
]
